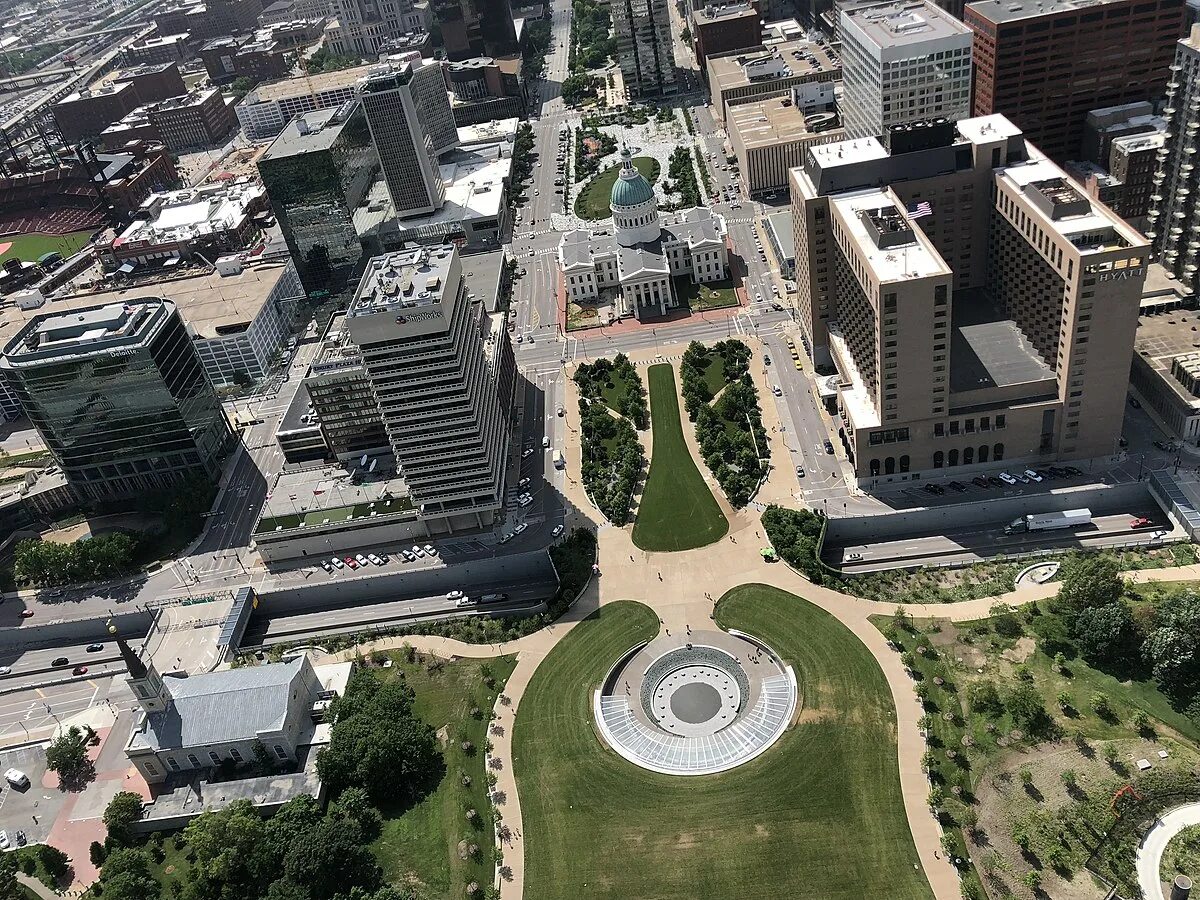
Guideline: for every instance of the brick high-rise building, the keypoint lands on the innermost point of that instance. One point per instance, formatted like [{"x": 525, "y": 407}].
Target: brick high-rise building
[
  {"x": 721, "y": 28},
  {"x": 979, "y": 310},
  {"x": 1045, "y": 63}
]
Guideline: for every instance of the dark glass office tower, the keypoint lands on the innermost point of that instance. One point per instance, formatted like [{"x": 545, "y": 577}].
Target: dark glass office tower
[
  {"x": 120, "y": 397},
  {"x": 316, "y": 173},
  {"x": 476, "y": 28}
]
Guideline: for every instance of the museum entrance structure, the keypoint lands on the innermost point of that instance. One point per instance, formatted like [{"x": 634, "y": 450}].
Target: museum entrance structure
[{"x": 696, "y": 704}]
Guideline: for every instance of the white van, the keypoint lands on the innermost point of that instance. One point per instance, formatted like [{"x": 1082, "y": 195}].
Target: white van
[{"x": 17, "y": 778}]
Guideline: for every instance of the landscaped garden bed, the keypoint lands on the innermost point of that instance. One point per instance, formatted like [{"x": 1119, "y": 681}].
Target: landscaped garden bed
[{"x": 612, "y": 405}]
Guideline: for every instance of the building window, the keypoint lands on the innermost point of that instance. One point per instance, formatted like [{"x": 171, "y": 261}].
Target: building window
[
  {"x": 953, "y": 458},
  {"x": 172, "y": 764},
  {"x": 216, "y": 760},
  {"x": 194, "y": 760},
  {"x": 939, "y": 459},
  {"x": 150, "y": 767},
  {"x": 280, "y": 752},
  {"x": 235, "y": 755},
  {"x": 983, "y": 453},
  {"x": 997, "y": 452}
]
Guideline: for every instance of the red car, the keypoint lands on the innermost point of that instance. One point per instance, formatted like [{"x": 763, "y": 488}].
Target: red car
[
  {"x": 1141, "y": 522},
  {"x": 351, "y": 562},
  {"x": 79, "y": 670}
]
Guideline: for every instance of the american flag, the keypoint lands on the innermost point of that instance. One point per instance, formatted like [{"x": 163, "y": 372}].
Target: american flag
[{"x": 917, "y": 210}]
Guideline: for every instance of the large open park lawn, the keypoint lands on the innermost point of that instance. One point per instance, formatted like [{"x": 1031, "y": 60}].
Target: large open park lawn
[
  {"x": 678, "y": 511},
  {"x": 30, "y": 247},
  {"x": 592, "y": 202},
  {"x": 817, "y": 816}
]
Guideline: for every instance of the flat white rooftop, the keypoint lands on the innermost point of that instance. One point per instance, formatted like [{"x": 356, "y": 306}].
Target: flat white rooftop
[
  {"x": 985, "y": 129},
  {"x": 916, "y": 259}
]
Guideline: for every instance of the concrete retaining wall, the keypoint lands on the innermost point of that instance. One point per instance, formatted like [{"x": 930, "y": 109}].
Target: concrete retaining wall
[
  {"x": 1101, "y": 499},
  {"x": 79, "y": 631},
  {"x": 341, "y": 592}
]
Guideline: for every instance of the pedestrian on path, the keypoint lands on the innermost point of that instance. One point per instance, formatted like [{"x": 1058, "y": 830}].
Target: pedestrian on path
[{"x": 668, "y": 632}]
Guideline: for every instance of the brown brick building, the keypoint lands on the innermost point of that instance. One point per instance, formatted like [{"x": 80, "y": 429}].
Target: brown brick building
[
  {"x": 153, "y": 82},
  {"x": 720, "y": 28},
  {"x": 1044, "y": 65}
]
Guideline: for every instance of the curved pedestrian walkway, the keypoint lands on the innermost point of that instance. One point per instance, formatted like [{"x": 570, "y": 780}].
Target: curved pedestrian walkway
[
  {"x": 1149, "y": 853},
  {"x": 686, "y": 586}
]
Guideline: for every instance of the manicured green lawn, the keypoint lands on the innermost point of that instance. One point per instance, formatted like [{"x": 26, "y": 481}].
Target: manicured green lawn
[
  {"x": 421, "y": 844},
  {"x": 713, "y": 295},
  {"x": 592, "y": 202},
  {"x": 817, "y": 816},
  {"x": 31, "y": 246},
  {"x": 678, "y": 511}
]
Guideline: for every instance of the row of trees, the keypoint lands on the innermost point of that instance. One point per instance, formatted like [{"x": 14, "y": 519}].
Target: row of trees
[
  {"x": 1160, "y": 640},
  {"x": 734, "y": 359},
  {"x": 100, "y": 558},
  {"x": 596, "y": 379},
  {"x": 733, "y": 441},
  {"x": 730, "y": 432},
  {"x": 683, "y": 178},
  {"x": 301, "y": 853},
  {"x": 612, "y": 460},
  {"x": 522, "y": 157},
  {"x": 587, "y": 160},
  {"x": 538, "y": 35}
]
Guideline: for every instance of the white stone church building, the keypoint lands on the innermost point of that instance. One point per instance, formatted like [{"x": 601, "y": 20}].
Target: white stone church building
[{"x": 644, "y": 251}]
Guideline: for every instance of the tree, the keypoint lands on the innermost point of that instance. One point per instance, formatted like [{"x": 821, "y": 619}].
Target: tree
[
  {"x": 9, "y": 889},
  {"x": 1105, "y": 634},
  {"x": 354, "y": 805},
  {"x": 234, "y": 856},
  {"x": 984, "y": 698},
  {"x": 293, "y": 821},
  {"x": 1024, "y": 704},
  {"x": 1171, "y": 647},
  {"x": 123, "y": 810},
  {"x": 1101, "y": 706},
  {"x": 332, "y": 859},
  {"x": 67, "y": 756},
  {"x": 243, "y": 85},
  {"x": 127, "y": 874},
  {"x": 1088, "y": 581},
  {"x": 1004, "y": 620}
]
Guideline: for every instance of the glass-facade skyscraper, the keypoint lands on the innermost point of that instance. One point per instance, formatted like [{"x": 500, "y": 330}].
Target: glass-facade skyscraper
[
  {"x": 119, "y": 396},
  {"x": 317, "y": 173}
]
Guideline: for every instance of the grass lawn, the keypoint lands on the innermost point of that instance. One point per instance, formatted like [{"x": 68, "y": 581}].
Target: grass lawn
[
  {"x": 817, "y": 816},
  {"x": 421, "y": 843},
  {"x": 31, "y": 246},
  {"x": 592, "y": 202},
  {"x": 678, "y": 511},
  {"x": 712, "y": 295}
]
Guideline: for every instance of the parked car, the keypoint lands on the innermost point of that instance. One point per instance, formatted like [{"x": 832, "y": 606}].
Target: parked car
[
  {"x": 5, "y": 670},
  {"x": 1022, "y": 477},
  {"x": 21, "y": 839},
  {"x": 828, "y": 446},
  {"x": 979, "y": 481},
  {"x": 361, "y": 560},
  {"x": 1032, "y": 475},
  {"x": 506, "y": 537},
  {"x": 799, "y": 471},
  {"x": 1059, "y": 472},
  {"x": 935, "y": 489},
  {"x": 4, "y": 843},
  {"x": 526, "y": 453},
  {"x": 957, "y": 486},
  {"x": 16, "y": 778},
  {"x": 418, "y": 551},
  {"x": 854, "y": 557},
  {"x": 1133, "y": 401},
  {"x": 375, "y": 560},
  {"x": 777, "y": 391},
  {"x": 431, "y": 550},
  {"x": 520, "y": 528},
  {"x": 1162, "y": 445},
  {"x": 1006, "y": 478},
  {"x": 558, "y": 529},
  {"x": 1073, "y": 470},
  {"x": 524, "y": 502},
  {"x": 524, "y": 482},
  {"x": 408, "y": 555},
  {"x": 338, "y": 563},
  {"x": 327, "y": 567},
  {"x": 351, "y": 562}
]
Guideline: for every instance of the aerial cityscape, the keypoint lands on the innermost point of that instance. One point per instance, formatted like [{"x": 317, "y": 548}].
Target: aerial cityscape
[{"x": 632, "y": 449}]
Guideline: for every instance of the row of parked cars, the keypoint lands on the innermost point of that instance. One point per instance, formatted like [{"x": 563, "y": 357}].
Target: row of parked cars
[
  {"x": 1004, "y": 479},
  {"x": 360, "y": 560}
]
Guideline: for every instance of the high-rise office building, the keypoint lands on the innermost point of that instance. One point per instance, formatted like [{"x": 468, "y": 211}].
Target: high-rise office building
[
  {"x": 120, "y": 397},
  {"x": 316, "y": 174},
  {"x": 408, "y": 110},
  {"x": 476, "y": 28},
  {"x": 724, "y": 27},
  {"x": 1174, "y": 219},
  {"x": 364, "y": 27},
  {"x": 443, "y": 374},
  {"x": 978, "y": 309},
  {"x": 902, "y": 62},
  {"x": 645, "y": 48},
  {"x": 1044, "y": 64}
]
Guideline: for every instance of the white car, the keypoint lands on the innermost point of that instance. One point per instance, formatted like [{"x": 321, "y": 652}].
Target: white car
[
  {"x": 506, "y": 537},
  {"x": 545, "y": 442},
  {"x": 462, "y": 601},
  {"x": 454, "y": 595},
  {"x": 431, "y": 550},
  {"x": 409, "y": 555},
  {"x": 524, "y": 502},
  {"x": 337, "y": 563},
  {"x": 16, "y": 778},
  {"x": 777, "y": 391},
  {"x": 558, "y": 529},
  {"x": 520, "y": 528},
  {"x": 1032, "y": 475},
  {"x": 5, "y": 670},
  {"x": 1006, "y": 478},
  {"x": 361, "y": 560},
  {"x": 4, "y": 844},
  {"x": 853, "y": 557},
  {"x": 375, "y": 560},
  {"x": 418, "y": 551}
]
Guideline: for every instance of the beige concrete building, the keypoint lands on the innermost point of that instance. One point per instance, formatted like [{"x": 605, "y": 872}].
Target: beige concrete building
[
  {"x": 770, "y": 137},
  {"x": 769, "y": 71},
  {"x": 977, "y": 307}
]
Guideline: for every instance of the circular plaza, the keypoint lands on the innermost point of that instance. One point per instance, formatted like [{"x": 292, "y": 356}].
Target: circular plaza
[{"x": 696, "y": 704}]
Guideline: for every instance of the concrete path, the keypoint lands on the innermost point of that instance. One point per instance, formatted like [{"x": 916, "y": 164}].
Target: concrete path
[
  {"x": 682, "y": 589},
  {"x": 1154, "y": 844},
  {"x": 36, "y": 887}
]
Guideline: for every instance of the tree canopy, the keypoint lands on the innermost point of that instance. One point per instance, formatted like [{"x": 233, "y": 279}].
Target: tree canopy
[{"x": 1087, "y": 581}]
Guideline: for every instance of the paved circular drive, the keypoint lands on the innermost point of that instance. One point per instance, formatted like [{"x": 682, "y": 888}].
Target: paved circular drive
[{"x": 697, "y": 705}]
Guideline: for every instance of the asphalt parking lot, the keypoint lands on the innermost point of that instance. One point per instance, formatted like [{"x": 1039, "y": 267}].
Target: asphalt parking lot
[{"x": 34, "y": 809}]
